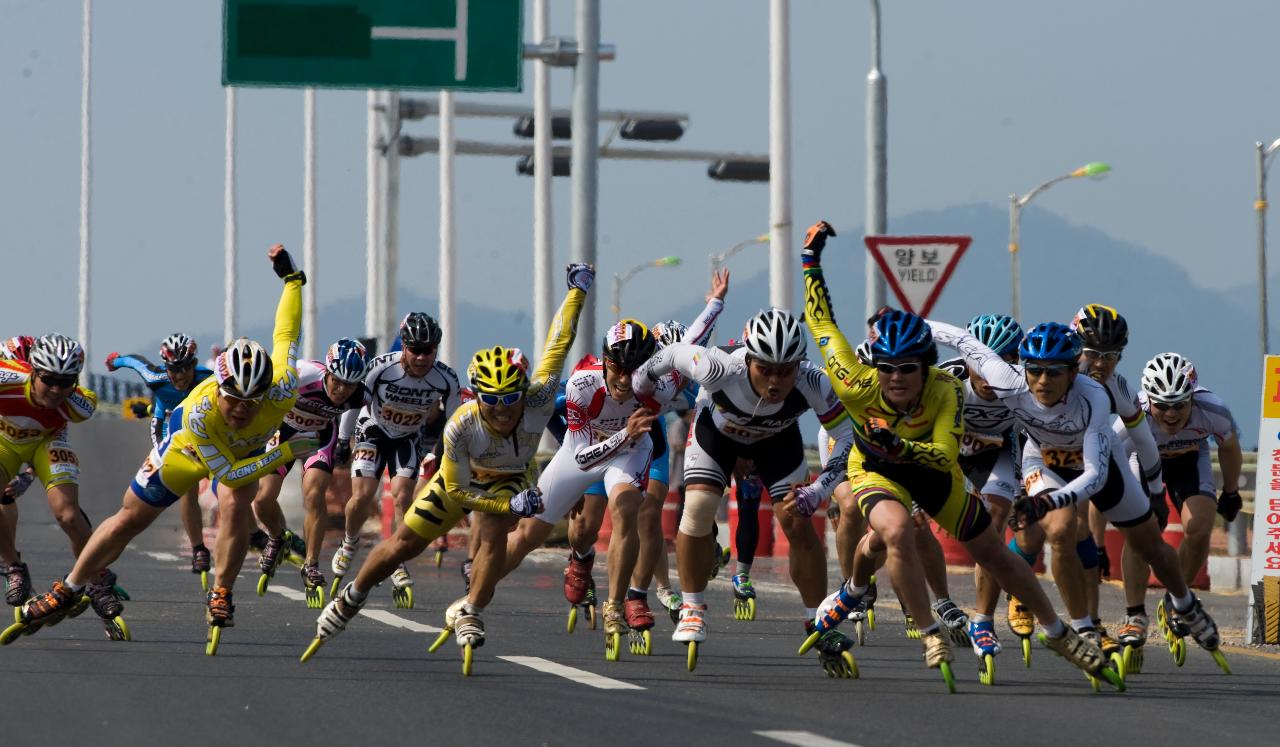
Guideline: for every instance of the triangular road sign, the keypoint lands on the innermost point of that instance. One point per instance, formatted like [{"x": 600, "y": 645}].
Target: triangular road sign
[{"x": 917, "y": 267}]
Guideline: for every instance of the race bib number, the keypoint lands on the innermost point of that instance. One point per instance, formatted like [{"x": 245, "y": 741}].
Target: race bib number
[
  {"x": 976, "y": 443},
  {"x": 305, "y": 422},
  {"x": 1065, "y": 458},
  {"x": 1038, "y": 481},
  {"x": 401, "y": 418}
]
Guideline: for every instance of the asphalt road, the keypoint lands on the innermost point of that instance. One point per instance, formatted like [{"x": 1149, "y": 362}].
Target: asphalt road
[{"x": 377, "y": 684}]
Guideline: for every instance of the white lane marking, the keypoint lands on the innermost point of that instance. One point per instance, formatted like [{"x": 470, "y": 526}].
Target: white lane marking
[
  {"x": 288, "y": 593},
  {"x": 805, "y": 738},
  {"x": 167, "y": 557},
  {"x": 381, "y": 616},
  {"x": 577, "y": 675}
]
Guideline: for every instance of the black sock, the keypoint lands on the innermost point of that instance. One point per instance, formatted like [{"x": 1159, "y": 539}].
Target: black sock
[{"x": 1139, "y": 610}]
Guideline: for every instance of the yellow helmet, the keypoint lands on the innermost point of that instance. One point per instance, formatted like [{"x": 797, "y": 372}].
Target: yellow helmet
[{"x": 499, "y": 370}]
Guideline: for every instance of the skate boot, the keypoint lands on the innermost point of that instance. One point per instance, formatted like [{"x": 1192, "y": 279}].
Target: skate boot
[
  {"x": 860, "y": 617},
  {"x": 937, "y": 655},
  {"x": 839, "y": 605},
  {"x": 671, "y": 601},
  {"x": 640, "y": 623},
  {"x": 201, "y": 562},
  {"x": 1022, "y": 624},
  {"x": 909, "y": 625},
  {"x": 470, "y": 634},
  {"x": 719, "y": 560},
  {"x": 19, "y": 586},
  {"x": 295, "y": 549},
  {"x": 985, "y": 647},
  {"x": 340, "y": 610},
  {"x": 45, "y": 609},
  {"x": 1197, "y": 623},
  {"x": 313, "y": 585},
  {"x": 1133, "y": 636},
  {"x": 1079, "y": 650},
  {"x": 870, "y": 598},
  {"x": 1111, "y": 648},
  {"x": 220, "y": 614},
  {"x": 451, "y": 615},
  {"x": 466, "y": 575},
  {"x": 104, "y": 596},
  {"x": 441, "y": 547},
  {"x": 342, "y": 558},
  {"x": 833, "y": 651},
  {"x": 269, "y": 559},
  {"x": 691, "y": 630},
  {"x": 744, "y": 597},
  {"x": 579, "y": 589},
  {"x": 615, "y": 625},
  {"x": 402, "y": 588},
  {"x": 954, "y": 620}
]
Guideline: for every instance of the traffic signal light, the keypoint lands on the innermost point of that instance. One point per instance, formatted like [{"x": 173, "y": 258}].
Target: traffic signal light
[
  {"x": 559, "y": 165},
  {"x": 560, "y": 128},
  {"x": 739, "y": 171},
  {"x": 665, "y": 130}
]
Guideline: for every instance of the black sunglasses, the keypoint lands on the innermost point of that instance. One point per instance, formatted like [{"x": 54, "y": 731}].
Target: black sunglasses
[
  {"x": 58, "y": 382},
  {"x": 421, "y": 349},
  {"x": 180, "y": 367},
  {"x": 1053, "y": 371},
  {"x": 1175, "y": 406}
]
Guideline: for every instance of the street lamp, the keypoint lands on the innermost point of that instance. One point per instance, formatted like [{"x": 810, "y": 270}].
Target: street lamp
[
  {"x": 718, "y": 260},
  {"x": 1096, "y": 170},
  {"x": 619, "y": 280},
  {"x": 1264, "y": 160}
]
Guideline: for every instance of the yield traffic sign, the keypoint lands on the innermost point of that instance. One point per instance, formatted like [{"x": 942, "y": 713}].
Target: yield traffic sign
[
  {"x": 917, "y": 267},
  {"x": 443, "y": 44}
]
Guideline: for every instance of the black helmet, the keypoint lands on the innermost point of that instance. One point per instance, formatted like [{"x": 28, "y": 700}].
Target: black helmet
[
  {"x": 419, "y": 329},
  {"x": 1101, "y": 328},
  {"x": 629, "y": 344}
]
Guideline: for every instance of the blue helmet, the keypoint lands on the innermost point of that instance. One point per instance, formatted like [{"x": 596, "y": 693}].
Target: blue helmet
[
  {"x": 901, "y": 334},
  {"x": 999, "y": 332},
  {"x": 1050, "y": 341},
  {"x": 346, "y": 360}
]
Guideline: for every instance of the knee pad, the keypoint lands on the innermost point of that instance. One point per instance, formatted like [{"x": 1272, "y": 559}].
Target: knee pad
[
  {"x": 1013, "y": 545},
  {"x": 1087, "y": 549},
  {"x": 699, "y": 518}
]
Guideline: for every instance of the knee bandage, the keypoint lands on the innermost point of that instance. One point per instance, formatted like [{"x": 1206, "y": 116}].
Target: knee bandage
[
  {"x": 1087, "y": 549},
  {"x": 700, "y": 505}
]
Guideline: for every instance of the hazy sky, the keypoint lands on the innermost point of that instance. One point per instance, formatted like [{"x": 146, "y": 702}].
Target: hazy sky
[{"x": 985, "y": 98}]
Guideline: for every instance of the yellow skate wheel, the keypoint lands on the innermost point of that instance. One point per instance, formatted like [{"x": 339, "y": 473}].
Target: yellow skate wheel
[
  {"x": 860, "y": 632},
  {"x": 1132, "y": 660},
  {"x": 612, "y": 646},
  {"x": 1114, "y": 677},
  {"x": 17, "y": 614},
  {"x": 591, "y": 615},
  {"x": 211, "y": 642},
  {"x": 987, "y": 670},
  {"x": 1094, "y": 682},
  {"x": 11, "y": 633},
  {"x": 467, "y": 653},
  {"x": 850, "y": 665},
  {"x": 117, "y": 629},
  {"x": 1117, "y": 663},
  {"x": 1026, "y": 652},
  {"x": 263, "y": 582},
  {"x": 312, "y": 649},
  {"x": 1178, "y": 647},
  {"x": 333, "y": 587},
  {"x": 948, "y": 676},
  {"x": 641, "y": 643},
  {"x": 204, "y": 580},
  {"x": 439, "y": 641},
  {"x": 1221, "y": 660},
  {"x": 808, "y": 643},
  {"x": 573, "y": 619},
  {"x": 691, "y": 657},
  {"x": 871, "y": 617},
  {"x": 315, "y": 597},
  {"x": 403, "y": 597},
  {"x": 439, "y": 558}
]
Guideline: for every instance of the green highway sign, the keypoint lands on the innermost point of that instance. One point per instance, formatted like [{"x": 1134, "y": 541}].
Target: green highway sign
[{"x": 434, "y": 44}]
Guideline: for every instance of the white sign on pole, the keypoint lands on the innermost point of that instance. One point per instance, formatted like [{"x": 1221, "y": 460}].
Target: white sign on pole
[
  {"x": 1264, "y": 577},
  {"x": 917, "y": 267}
]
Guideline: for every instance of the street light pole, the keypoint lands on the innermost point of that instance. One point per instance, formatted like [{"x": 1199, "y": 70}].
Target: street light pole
[
  {"x": 781, "y": 263},
  {"x": 877, "y": 206},
  {"x": 620, "y": 279},
  {"x": 585, "y": 147},
  {"x": 1016, "y": 203},
  {"x": 543, "y": 255},
  {"x": 718, "y": 260},
  {"x": 1260, "y": 206}
]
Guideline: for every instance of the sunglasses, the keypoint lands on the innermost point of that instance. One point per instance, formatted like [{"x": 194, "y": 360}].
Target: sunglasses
[
  {"x": 180, "y": 367},
  {"x": 1175, "y": 406},
  {"x": 1053, "y": 372},
  {"x": 54, "y": 381},
  {"x": 421, "y": 349},
  {"x": 236, "y": 400},
  {"x": 902, "y": 368},
  {"x": 1106, "y": 355},
  {"x": 508, "y": 399}
]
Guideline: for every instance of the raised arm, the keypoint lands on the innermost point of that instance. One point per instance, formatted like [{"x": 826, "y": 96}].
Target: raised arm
[
  {"x": 152, "y": 375},
  {"x": 288, "y": 326},
  {"x": 706, "y": 366},
  {"x": 699, "y": 333},
  {"x": 1003, "y": 377},
  {"x": 564, "y": 327}
]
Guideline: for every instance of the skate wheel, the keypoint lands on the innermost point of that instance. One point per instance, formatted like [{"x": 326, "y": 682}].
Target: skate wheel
[
  {"x": 948, "y": 676},
  {"x": 12, "y": 632},
  {"x": 17, "y": 614},
  {"x": 439, "y": 641},
  {"x": 75, "y": 611},
  {"x": 204, "y": 580},
  {"x": 121, "y": 594},
  {"x": 1026, "y": 652},
  {"x": 315, "y": 597},
  {"x": 573, "y": 620},
  {"x": 312, "y": 649},
  {"x": 850, "y": 665},
  {"x": 987, "y": 670},
  {"x": 1178, "y": 647},
  {"x": 211, "y": 642},
  {"x": 641, "y": 642},
  {"x": 860, "y": 632},
  {"x": 1132, "y": 661},
  {"x": 871, "y": 617},
  {"x": 333, "y": 588},
  {"x": 691, "y": 657},
  {"x": 1221, "y": 660},
  {"x": 1116, "y": 661},
  {"x": 591, "y": 616},
  {"x": 612, "y": 646},
  {"x": 403, "y": 597},
  {"x": 117, "y": 629},
  {"x": 1094, "y": 682},
  {"x": 808, "y": 643},
  {"x": 1112, "y": 676},
  {"x": 467, "y": 653},
  {"x": 263, "y": 582},
  {"x": 744, "y": 609},
  {"x": 439, "y": 558}
]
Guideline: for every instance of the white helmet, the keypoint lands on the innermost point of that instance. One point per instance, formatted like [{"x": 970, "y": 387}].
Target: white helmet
[
  {"x": 774, "y": 336},
  {"x": 244, "y": 369},
  {"x": 863, "y": 351},
  {"x": 665, "y": 333},
  {"x": 1169, "y": 378},
  {"x": 57, "y": 354}
]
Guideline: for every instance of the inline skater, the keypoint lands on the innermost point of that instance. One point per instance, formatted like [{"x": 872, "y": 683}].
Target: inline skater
[
  {"x": 325, "y": 391},
  {"x": 486, "y": 466},
  {"x": 169, "y": 385},
  {"x": 1183, "y": 416},
  {"x": 908, "y": 441},
  {"x": 751, "y": 399},
  {"x": 404, "y": 390},
  {"x": 1071, "y": 455},
  {"x": 220, "y": 431}
]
